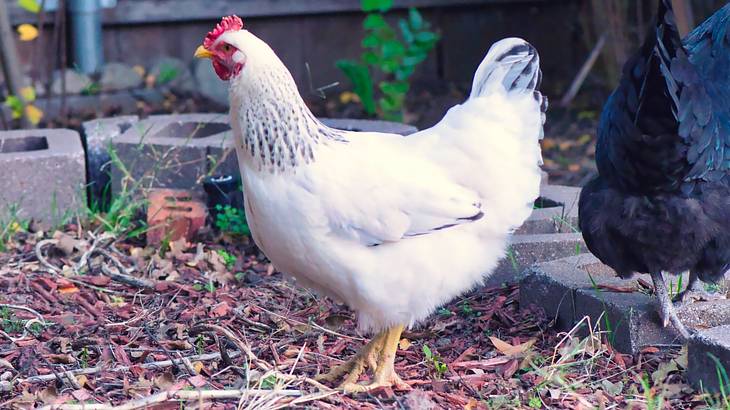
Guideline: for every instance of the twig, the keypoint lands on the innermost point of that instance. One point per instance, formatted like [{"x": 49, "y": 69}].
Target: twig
[
  {"x": 127, "y": 279},
  {"x": 314, "y": 325},
  {"x": 42, "y": 259},
  {"x": 243, "y": 347},
  {"x": 584, "y": 70},
  {"x": 151, "y": 365},
  {"x": 177, "y": 395}
]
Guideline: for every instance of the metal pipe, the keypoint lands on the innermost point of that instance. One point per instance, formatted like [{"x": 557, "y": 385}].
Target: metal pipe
[{"x": 86, "y": 34}]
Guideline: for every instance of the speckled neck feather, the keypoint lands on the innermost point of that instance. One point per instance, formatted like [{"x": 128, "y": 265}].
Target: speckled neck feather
[{"x": 279, "y": 131}]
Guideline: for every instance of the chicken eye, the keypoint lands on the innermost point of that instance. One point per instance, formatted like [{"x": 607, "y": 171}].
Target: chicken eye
[{"x": 227, "y": 47}]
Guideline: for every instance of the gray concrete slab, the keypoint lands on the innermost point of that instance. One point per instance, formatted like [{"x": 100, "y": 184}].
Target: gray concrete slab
[
  {"x": 169, "y": 151},
  {"x": 708, "y": 354},
  {"x": 571, "y": 288},
  {"x": 98, "y": 135},
  {"x": 43, "y": 174}
]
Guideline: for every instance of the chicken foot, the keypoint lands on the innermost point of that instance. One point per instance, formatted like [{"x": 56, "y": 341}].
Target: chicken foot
[
  {"x": 379, "y": 356},
  {"x": 667, "y": 312},
  {"x": 695, "y": 291},
  {"x": 353, "y": 368}
]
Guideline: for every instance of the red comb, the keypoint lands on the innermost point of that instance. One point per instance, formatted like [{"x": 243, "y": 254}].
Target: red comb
[{"x": 230, "y": 23}]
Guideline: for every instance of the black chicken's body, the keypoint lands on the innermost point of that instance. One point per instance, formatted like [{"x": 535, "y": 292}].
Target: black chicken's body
[{"x": 661, "y": 202}]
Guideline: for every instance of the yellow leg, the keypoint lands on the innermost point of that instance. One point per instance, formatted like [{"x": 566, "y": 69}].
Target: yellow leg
[
  {"x": 353, "y": 368},
  {"x": 384, "y": 373}
]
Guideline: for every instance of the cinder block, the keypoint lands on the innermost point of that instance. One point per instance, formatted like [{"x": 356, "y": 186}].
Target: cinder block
[
  {"x": 551, "y": 232},
  {"x": 556, "y": 211},
  {"x": 98, "y": 135},
  {"x": 169, "y": 151},
  {"x": 707, "y": 353},
  {"x": 524, "y": 251},
  {"x": 572, "y": 288},
  {"x": 43, "y": 173}
]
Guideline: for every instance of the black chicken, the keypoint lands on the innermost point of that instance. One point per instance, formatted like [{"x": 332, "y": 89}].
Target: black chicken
[{"x": 661, "y": 202}]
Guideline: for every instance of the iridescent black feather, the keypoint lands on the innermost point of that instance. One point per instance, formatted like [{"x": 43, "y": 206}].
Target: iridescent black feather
[{"x": 661, "y": 201}]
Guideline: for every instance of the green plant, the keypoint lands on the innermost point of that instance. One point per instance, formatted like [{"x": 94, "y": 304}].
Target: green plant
[
  {"x": 724, "y": 384},
  {"x": 388, "y": 55},
  {"x": 535, "y": 402},
  {"x": 11, "y": 225},
  {"x": 438, "y": 365},
  {"x": 9, "y": 322},
  {"x": 168, "y": 73},
  {"x": 653, "y": 400},
  {"x": 120, "y": 216},
  {"x": 231, "y": 220},
  {"x": 228, "y": 259},
  {"x": 84, "y": 357}
]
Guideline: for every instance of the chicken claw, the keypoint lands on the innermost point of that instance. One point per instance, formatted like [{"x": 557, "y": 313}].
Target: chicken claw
[
  {"x": 379, "y": 356},
  {"x": 666, "y": 309},
  {"x": 353, "y": 368}
]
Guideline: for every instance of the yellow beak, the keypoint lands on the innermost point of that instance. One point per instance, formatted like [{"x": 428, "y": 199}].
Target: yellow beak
[{"x": 202, "y": 52}]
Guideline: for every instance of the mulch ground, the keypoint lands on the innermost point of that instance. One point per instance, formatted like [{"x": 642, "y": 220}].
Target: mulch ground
[{"x": 89, "y": 321}]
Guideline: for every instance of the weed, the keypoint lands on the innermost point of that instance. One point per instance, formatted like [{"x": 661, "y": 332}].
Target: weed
[
  {"x": 228, "y": 259},
  {"x": 199, "y": 344},
  {"x": 535, "y": 402},
  {"x": 168, "y": 73},
  {"x": 724, "y": 384},
  {"x": 268, "y": 382},
  {"x": 512, "y": 255},
  {"x": 9, "y": 322},
  {"x": 653, "y": 400},
  {"x": 11, "y": 225},
  {"x": 84, "y": 357},
  {"x": 438, "y": 365},
  {"x": 231, "y": 220},
  {"x": 443, "y": 312},
  {"x": 386, "y": 53}
]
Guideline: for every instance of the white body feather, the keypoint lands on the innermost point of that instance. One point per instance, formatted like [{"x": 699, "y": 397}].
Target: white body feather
[{"x": 386, "y": 224}]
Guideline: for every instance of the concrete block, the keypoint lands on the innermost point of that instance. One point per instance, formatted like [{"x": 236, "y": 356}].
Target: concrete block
[
  {"x": 572, "y": 288},
  {"x": 42, "y": 173},
  {"x": 524, "y": 251},
  {"x": 169, "y": 151},
  {"x": 551, "y": 232},
  {"x": 556, "y": 211},
  {"x": 707, "y": 352},
  {"x": 98, "y": 136},
  {"x": 173, "y": 214}
]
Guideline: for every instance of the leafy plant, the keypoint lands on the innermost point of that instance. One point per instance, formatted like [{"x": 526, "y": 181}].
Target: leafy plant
[
  {"x": 121, "y": 214},
  {"x": 9, "y": 322},
  {"x": 228, "y": 259},
  {"x": 168, "y": 73},
  {"x": 231, "y": 220},
  {"x": 388, "y": 54},
  {"x": 438, "y": 365}
]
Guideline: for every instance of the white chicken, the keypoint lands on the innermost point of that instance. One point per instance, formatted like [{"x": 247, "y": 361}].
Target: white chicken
[{"x": 392, "y": 226}]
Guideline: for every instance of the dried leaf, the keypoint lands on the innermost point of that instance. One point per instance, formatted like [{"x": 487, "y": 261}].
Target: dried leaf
[
  {"x": 27, "y": 32},
  {"x": 509, "y": 350},
  {"x": 404, "y": 344},
  {"x": 28, "y": 93},
  {"x": 33, "y": 113}
]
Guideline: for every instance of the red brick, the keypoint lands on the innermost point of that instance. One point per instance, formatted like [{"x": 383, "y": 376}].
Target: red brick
[{"x": 173, "y": 214}]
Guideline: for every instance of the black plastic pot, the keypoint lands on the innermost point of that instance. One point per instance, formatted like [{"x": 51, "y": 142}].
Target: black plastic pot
[{"x": 222, "y": 191}]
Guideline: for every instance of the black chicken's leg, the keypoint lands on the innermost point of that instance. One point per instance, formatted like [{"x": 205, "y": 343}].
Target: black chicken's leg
[
  {"x": 695, "y": 291},
  {"x": 666, "y": 307}
]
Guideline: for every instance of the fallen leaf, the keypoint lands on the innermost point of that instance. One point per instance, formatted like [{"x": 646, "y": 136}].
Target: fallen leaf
[
  {"x": 28, "y": 93},
  {"x": 404, "y": 344},
  {"x": 510, "y": 350},
  {"x": 27, "y": 32},
  {"x": 198, "y": 366},
  {"x": 33, "y": 113},
  {"x": 82, "y": 379},
  {"x": 198, "y": 381}
]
